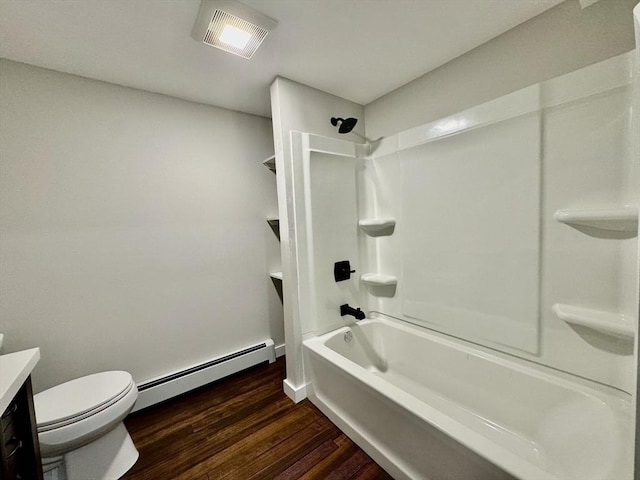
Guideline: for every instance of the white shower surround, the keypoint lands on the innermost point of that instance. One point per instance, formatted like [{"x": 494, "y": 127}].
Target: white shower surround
[
  {"x": 598, "y": 274},
  {"x": 586, "y": 162},
  {"x": 389, "y": 411}
]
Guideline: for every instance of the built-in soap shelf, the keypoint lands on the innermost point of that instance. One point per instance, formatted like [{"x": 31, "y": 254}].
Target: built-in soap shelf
[
  {"x": 276, "y": 275},
  {"x": 377, "y": 227},
  {"x": 607, "y": 323},
  {"x": 270, "y": 163},
  {"x": 624, "y": 219},
  {"x": 378, "y": 279}
]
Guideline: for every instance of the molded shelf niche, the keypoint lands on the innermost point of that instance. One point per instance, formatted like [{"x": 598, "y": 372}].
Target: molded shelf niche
[
  {"x": 607, "y": 323},
  {"x": 379, "y": 284},
  {"x": 624, "y": 219},
  {"x": 276, "y": 275},
  {"x": 377, "y": 227},
  {"x": 270, "y": 163},
  {"x": 379, "y": 279}
]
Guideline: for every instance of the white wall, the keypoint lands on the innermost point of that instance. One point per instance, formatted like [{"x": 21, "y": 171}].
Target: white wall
[
  {"x": 560, "y": 40},
  {"x": 305, "y": 109},
  {"x": 132, "y": 227}
]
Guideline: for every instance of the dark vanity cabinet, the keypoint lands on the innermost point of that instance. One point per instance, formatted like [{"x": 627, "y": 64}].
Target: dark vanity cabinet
[{"x": 19, "y": 448}]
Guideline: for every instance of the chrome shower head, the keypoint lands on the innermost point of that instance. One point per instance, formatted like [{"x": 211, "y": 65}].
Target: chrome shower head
[{"x": 346, "y": 124}]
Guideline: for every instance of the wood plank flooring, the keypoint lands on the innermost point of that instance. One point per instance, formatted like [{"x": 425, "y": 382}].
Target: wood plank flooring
[{"x": 244, "y": 428}]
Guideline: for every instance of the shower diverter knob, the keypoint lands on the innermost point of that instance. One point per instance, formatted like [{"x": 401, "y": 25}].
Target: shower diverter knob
[{"x": 342, "y": 270}]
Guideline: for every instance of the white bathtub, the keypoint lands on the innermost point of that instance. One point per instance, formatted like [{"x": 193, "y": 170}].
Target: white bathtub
[{"x": 425, "y": 407}]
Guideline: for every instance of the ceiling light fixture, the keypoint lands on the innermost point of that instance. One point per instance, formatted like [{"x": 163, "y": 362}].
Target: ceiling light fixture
[
  {"x": 231, "y": 26},
  {"x": 235, "y": 37}
]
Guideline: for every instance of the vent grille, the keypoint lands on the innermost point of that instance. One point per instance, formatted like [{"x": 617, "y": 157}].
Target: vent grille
[{"x": 220, "y": 20}]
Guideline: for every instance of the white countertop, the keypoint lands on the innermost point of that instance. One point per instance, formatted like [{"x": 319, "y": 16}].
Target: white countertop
[{"x": 15, "y": 368}]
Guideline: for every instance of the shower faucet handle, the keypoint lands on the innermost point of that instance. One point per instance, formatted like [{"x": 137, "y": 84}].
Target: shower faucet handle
[{"x": 342, "y": 270}]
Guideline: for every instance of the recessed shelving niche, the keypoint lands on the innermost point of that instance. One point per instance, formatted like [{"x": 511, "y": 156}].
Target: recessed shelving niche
[
  {"x": 274, "y": 223},
  {"x": 607, "y": 323},
  {"x": 624, "y": 219},
  {"x": 270, "y": 163},
  {"x": 276, "y": 275},
  {"x": 377, "y": 227}
]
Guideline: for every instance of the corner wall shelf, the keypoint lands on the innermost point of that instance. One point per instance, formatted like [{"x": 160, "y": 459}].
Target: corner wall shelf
[
  {"x": 624, "y": 219},
  {"x": 276, "y": 275},
  {"x": 274, "y": 223},
  {"x": 270, "y": 163},
  {"x": 377, "y": 227},
  {"x": 608, "y": 323},
  {"x": 378, "y": 279}
]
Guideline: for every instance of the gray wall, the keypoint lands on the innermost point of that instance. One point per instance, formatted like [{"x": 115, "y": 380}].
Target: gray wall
[
  {"x": 560, "y": 40},
  {"x": 132, "y": 227}
]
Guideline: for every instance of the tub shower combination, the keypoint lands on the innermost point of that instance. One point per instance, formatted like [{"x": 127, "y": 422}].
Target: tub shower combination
[{"x": 499, "y": 281}]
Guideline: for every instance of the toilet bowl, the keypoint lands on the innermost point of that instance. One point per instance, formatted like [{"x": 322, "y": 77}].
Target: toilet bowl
[{"x": 80, "y": 427}]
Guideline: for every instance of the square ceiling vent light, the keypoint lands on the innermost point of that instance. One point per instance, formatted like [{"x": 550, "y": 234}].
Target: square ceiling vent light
[{"x": 231, "y": 26}]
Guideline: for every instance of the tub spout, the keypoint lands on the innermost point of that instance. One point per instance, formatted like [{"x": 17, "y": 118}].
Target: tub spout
[{"x": 347, "y": 310}]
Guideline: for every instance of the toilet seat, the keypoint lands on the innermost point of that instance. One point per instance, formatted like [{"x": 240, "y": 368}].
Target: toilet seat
[
  {"x": 77, "y": 412},
  {"x": 80, "y": 398}
]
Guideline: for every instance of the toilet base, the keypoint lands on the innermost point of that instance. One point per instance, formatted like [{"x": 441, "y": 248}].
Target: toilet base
[
  {"x": 107, "y": 458},
  {"x": 53, "y": 468}
]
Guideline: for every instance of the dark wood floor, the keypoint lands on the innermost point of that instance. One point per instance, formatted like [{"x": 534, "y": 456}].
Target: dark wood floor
[{"x": 241, "y": 428}]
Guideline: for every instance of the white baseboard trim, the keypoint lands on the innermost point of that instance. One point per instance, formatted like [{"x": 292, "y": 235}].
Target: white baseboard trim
[
  {"x": 167, "y": 386},
  {"x": 280, "y": 350},
  {"x": 297, "y": 394}
]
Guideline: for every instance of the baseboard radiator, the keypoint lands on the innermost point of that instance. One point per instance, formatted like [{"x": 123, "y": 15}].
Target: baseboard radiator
[{"x": 173, "y": 384}]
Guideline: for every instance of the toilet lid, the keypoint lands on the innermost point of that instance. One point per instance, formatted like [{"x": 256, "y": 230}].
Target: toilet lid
[{"x": 79, "y": 397}]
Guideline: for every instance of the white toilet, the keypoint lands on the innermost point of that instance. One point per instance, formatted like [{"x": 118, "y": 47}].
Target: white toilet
[{"x": 80, "y": 428}]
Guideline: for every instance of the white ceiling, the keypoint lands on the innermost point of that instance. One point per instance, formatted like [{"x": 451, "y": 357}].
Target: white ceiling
[{"x": 356, "y": 49}]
